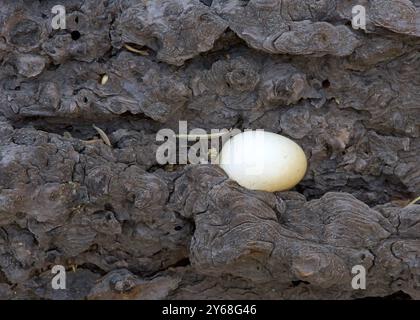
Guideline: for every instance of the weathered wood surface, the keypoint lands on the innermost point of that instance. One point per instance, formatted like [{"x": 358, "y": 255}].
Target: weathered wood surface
[{"x": 126, "y": 227}]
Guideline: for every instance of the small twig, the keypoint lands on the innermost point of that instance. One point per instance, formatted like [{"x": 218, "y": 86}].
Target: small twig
[
  {"x": 414, "y": 201},
  {"x": 104, "y": 79},
  {"x": 103, "y": 135},
  {"x": 130, "y": 48}
]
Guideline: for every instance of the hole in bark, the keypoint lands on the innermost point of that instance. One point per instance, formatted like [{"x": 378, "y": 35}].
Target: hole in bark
[
  {"x": 207, "y": 2},
  {"x": 295, "y": 283},
  {"x": 3, "y": 278},
  {"x": 177, "y": 228},
  {"x": 182, "y": 263},
  {"x": 75, "y": 35},
  {"x": 76, "y": 19},
  {"x": 326, "y": 84}
]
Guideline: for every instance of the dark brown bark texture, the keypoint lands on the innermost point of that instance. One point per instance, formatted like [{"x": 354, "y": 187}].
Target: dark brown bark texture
[{"x": 126, "y": 227}]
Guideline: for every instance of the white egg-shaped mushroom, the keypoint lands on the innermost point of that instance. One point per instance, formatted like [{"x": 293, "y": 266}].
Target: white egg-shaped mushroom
[{"x": 260, "y": 160}]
